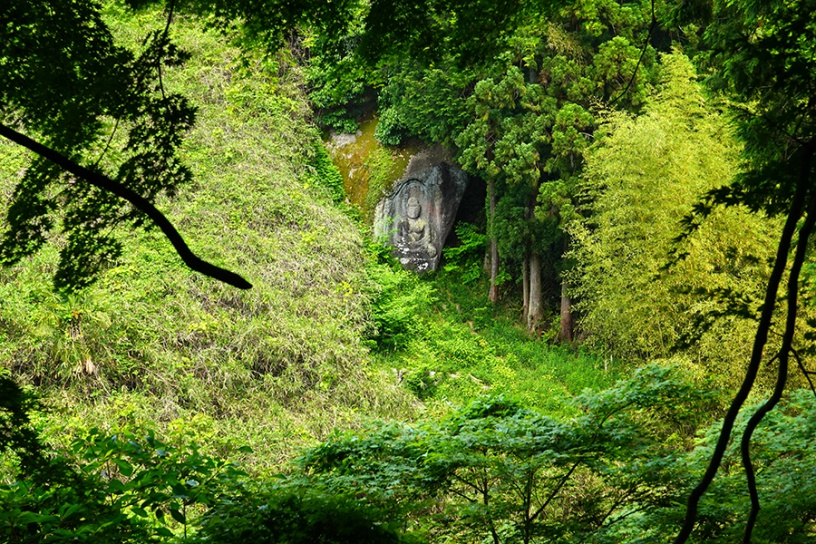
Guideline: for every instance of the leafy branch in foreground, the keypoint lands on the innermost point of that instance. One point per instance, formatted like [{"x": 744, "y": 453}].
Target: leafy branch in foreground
[
  {"x": 499, "y": 472},
  {"x": 66, "y": 81},
  {"x": 127, "y": 487},
  {"x": 142, "y": 204}
]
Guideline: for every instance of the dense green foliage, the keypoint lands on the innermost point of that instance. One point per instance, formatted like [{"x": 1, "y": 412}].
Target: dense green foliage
[
  {"x": 520, "y": 113},
  {"x": 524, "y": 119},
  {"x": 492, "y": 470},
  {"x": 496, "y": 472},
  {"x": 151, "y": 342},
  {"x": 297, "y": 514},
  {"x": 128, "y": 486},
  {"x": 762, "y": 54},
  {"x": 643, "y": 177},
  {"x": 416, "y": 408}
]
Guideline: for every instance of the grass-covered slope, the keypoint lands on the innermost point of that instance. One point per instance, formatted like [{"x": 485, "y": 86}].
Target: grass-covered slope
[
  {"x": 274, "y": 367},
  {"x": 445, "y": 342}
]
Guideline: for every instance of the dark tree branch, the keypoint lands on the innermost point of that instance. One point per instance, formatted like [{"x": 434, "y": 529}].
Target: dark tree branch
[
  {"x": 108, "y": 144},
  {"x": 652, "y": 27},
  {"x": 462, "y": 494},
  {"x": 782, "y": 374},
  {"x": 170, "y": 8},
  {"x": 140, "y": 203},
  {"x": 475, "y": 487},
  {"x": 615, "y": 503},
  {"x": 805, "y": 371},
  {"x": 761, "y": 338},
  {"x": 555, "y": 491},
  {"x": 165, "y": 33}
]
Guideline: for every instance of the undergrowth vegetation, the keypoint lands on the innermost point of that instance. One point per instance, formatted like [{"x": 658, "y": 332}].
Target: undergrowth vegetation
[
  {"x": 448, "y": 345},
  {"x": 490, "y": 471}
]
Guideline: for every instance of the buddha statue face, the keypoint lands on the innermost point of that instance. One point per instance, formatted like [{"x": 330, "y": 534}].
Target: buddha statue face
[{"x": 413, "y": 208}]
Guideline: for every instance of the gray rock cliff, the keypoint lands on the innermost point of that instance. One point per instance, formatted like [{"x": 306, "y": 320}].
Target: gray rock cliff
[{"x": 417, "y": 215}]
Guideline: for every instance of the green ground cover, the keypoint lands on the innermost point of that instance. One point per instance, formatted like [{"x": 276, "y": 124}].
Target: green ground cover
[
  {"x": 343, "y": 391},
  {"x": 460, "y": 347},
  {"x": 152, "y": 343}
]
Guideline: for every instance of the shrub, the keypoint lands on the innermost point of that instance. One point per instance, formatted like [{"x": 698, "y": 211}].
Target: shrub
[{"x": 295, "y": 515}]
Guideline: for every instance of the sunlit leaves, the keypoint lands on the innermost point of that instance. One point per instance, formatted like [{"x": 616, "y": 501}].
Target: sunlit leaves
[
  {"x": 494, "y": 465},
  {"x": 123, "y": 487},
  {"x": 643, "y": 177}
]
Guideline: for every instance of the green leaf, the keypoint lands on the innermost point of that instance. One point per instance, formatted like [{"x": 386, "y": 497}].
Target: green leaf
[
  {"x": 33, "y": 517},
  {"x": 124, "y": 467},
  {"x": 67, "y": 510},
  {"x": 115, "y": 486},
  {"x": 178, "y": 516},
  {"x": 180, "y": 492},
  {"x": 141, "y": 512}
]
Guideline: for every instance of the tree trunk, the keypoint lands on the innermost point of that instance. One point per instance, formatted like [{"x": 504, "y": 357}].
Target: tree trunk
[
  {"x": 533, "y": 297},
  {"x": 525, "y": 285},
  {"x": 565, "y": 331},
  {"x": 566, "y": 327},
  {"x": 535, "y": 311},
  {"x": 493, "y": 291}
]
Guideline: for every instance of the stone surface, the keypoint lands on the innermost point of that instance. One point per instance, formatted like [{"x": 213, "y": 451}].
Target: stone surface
[{"x": 417, "y": 215}]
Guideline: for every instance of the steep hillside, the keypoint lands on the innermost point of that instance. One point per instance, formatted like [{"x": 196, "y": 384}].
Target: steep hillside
[{"x": 275, "y": 367}]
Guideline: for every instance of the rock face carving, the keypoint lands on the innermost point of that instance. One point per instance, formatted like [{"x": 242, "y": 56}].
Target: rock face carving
[{"x": 418, "y": 214}]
